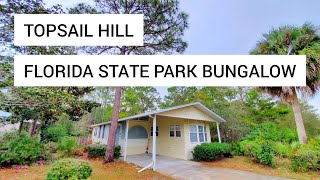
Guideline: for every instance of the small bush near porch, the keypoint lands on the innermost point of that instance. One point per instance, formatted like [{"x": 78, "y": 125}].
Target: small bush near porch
[
  {"x": 211, "y": 151},
  {"x": 98, "y": 150}
]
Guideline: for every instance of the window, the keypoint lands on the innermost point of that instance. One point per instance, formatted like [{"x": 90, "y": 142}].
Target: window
[
  {"x": 157, "y": 131},
  {"x": 178, "y": 131},
  {"x": 95, "y": 131},
  {"x": 104, "y": 128},
  {"x": 175, "y": 131},
  {"x": 193, "y": 133},
  {"x": 171, "y": 130},
  {"x": 198, "y": 133},
  {"x": 100, "y": 131}
]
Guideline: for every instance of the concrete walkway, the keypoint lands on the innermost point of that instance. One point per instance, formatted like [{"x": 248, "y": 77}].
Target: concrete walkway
[{"x": 181, "y": 169}]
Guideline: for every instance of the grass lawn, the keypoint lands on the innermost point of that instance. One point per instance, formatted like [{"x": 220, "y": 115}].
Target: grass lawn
[
  {"x": 116, "y": 170},
  {"x": 245, "y": 164}
]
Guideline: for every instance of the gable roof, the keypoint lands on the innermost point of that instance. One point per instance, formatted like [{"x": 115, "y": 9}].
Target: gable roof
[{"x": 198, "y": 105}]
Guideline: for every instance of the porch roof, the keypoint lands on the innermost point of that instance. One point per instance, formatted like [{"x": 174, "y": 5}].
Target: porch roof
[{"x": 196, "y": 104}]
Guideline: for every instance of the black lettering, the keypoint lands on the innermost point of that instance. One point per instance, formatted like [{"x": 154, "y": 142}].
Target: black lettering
[
  {"x": 113, "y": 69},
  {"x": 48, "y": 71},
  {"x": 244, "y": 73},
  {"x": 274, "y": 69},
  {"x": 103, "y": 69},
  {"x": 169, "y": 72},
  {"x": 36, "y": 30},
  {"x": 60, "y": 70},
  {"x": 254, "y": 71},
  {"x": 50, "y": 28},
  {"x": 27, "y": 70},
  {"x": 190, "y": 71},
  {"x": 206, "y": 70},
  {"x": 117, "y": 32},
  {"x": 143, "y": 71},
  {"x": 231, "y": 71},
  {"x": 215, "y": 72},
  {"x": 104, "y": 30},
  {"x": 87, "y": 71},
  {"x": 127, "y": 30},
  {"x": 180, "y": 69},
  {"x": 74, "y": 69},
  {"x": 29, "y": 28},
  {"x": 285, "y": 71},
  {"x": 62, "y": 28},
  {"x": 158, "y": 70},
  {"x": 73, "y": 30},
  {"x": 123, "y": 71},
  {"x": 86, "y": 31}
]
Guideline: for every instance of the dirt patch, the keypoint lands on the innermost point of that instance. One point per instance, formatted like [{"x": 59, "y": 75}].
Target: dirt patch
[
  {"x": 245, "y": 164},
  {"x": 117, "y": 170}
]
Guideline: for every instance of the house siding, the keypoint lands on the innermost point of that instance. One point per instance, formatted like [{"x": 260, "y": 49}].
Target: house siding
[
  {"x": 188, "y": 113},
  {"x": 136, "y": 146},
  {"x": 166, "y": 145},
  {"x": 190, "y": 145}
]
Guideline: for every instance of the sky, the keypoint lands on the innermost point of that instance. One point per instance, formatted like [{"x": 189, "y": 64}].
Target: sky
[{"x": 232, "y": 27}]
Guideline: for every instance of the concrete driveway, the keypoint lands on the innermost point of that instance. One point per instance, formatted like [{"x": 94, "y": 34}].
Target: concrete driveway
[{"x": 181, "y": 169}]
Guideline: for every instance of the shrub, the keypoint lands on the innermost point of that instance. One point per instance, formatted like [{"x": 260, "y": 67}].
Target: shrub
[
  {"x": 117, "y": 152},
  {"x": 271, "y": 132},
  {"x": 98, "y": 150},
  {"x": 235, "y": 149},
  {"x": 22, "y": 150},
  {"x": 307, "y": 157},
  {"x": 67, "y": 144},
  {"x": 51, "y": 147},
  {"x": 259, "y": 150},
  {"x": 210, "y": 151},
  {"x": 69, "y": 169},
  {"x": 54, "y": 133},
  {"x": 282, "y": 149}
]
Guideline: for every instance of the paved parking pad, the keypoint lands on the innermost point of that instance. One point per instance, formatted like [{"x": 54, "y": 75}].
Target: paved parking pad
[{"x": 184, "y": 170}]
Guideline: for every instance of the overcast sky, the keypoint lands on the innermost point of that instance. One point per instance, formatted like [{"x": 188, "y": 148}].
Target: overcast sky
[{"x": 233, "y": 27}]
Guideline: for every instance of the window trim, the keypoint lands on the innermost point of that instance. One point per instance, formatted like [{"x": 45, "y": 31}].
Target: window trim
[
  {"x": 175, "y": 130},
  {"x": 205, "y": 138}
]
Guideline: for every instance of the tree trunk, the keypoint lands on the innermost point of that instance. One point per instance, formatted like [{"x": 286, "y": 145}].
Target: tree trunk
[
  {"x": 114, "y": 122},
  {"x": 20, "y": 126},
  {"x": 113, "y": 127},
  {"x": 33, "y": 127},
  {"x": 298, "y": 118}
]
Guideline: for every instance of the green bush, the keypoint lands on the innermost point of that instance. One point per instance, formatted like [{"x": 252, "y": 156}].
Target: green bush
[
  {"x": 307, "y": 157},
  {"x": 67, "y": 144},
  {"x": 69, "y": 169},
  {"x": 52, "y": 147},
  {"x": 271, "y": 132},
  {"x": 22, "y": 150},
  {"x": 54, "y": 133},
  {"x": 210, "y": 151},
  {"x": 98, "y": 150},
  {"x": 117, "y": 152},
  {"x": 259, "y": 150},
  {"x": 282, "y": 149}
]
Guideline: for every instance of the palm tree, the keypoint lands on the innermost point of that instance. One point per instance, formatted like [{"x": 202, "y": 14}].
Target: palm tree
[{"x": 292, "y": 40}]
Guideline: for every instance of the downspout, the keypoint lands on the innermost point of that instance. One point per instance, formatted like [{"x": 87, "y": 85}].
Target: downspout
[{"x": 153, "y": 146}]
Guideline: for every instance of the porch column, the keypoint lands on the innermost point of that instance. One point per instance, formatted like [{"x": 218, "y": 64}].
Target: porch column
[
  {"x": 154, "y": 142},
  {"x": 218, "y": 130},
  {"x": 126, "y": 141}
]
